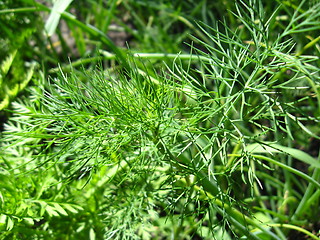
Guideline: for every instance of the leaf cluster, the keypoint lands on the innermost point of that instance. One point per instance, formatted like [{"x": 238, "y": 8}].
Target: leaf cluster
[{"x": 210, "y": 143}]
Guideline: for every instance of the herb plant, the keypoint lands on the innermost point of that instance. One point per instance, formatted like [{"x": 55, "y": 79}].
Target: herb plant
[{"x": 219, "y": 141}]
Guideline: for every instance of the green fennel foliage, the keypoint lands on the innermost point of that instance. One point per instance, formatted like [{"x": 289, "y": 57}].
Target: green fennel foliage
[{"x": 205, "y": 146}]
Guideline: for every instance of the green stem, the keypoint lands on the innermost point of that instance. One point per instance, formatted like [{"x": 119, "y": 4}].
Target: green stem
[
  {"x": 235, "y": 216},
  {"x": 304, "y": 203},
  {"x": 120, "y": 54},
  {"x": 110, "y": 56},
  {"x": 289, "y": 226},
  {"x": 19, "y": 10},
  {"x": 212, "y": 191},
  {"x": 286, "y": 167}
]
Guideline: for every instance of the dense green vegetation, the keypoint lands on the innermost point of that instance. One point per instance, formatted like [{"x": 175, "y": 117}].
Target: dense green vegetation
[{"x": 128, "y": 119}]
